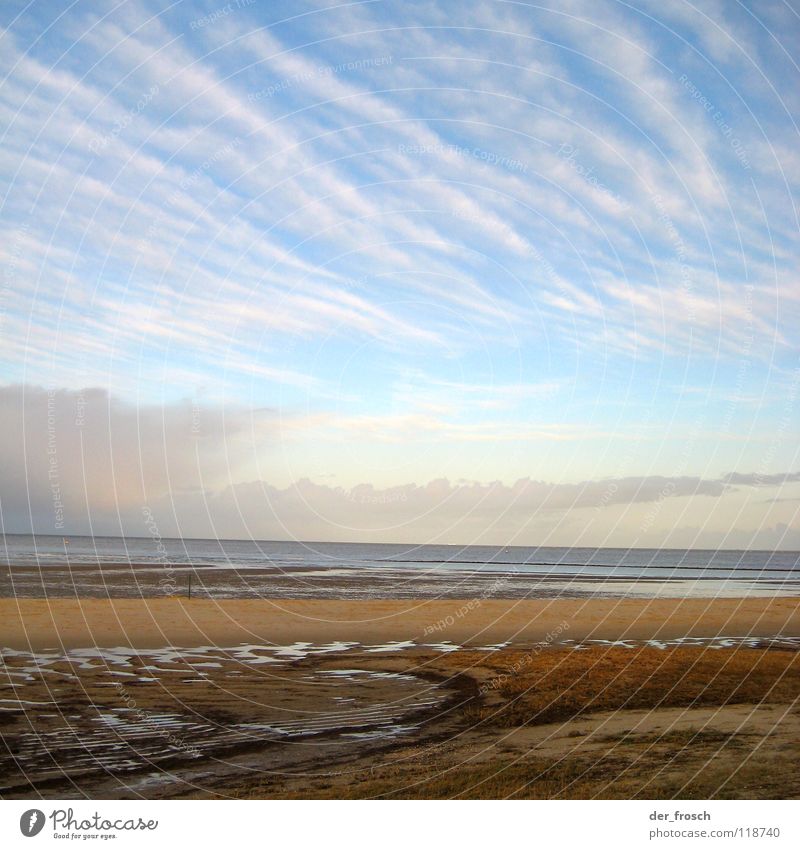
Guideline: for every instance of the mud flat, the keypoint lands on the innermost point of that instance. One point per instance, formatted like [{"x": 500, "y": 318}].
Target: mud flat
[{"x": 588, "y": 721}]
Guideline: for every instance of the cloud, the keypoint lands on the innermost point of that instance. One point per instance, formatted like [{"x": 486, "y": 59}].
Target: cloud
[
  {"x": 518, "y": 231},
  {"x": 81, "y": 461},
  {"x": 104, "y": 459},
  {"x": 760, "y": 479},
  {"x": 289, "y": 199}
]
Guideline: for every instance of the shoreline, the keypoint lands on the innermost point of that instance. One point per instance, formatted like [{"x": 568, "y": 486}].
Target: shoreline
[
  {"x": 36, "y": 624},
  {"x": 409, "y": 586},
  {"x": 448, "y": 570}
]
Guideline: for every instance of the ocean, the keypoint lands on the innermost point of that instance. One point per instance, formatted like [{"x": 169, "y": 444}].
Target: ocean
[{"x": 51, "y": 566}]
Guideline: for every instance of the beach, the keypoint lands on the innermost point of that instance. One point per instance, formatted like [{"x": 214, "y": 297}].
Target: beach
[
  {"x": 471, "y": 698},
  {"x": 27, "y": 623}
]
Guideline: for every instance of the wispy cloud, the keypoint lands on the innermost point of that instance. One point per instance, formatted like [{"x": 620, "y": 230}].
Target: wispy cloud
[{"x": 489, "y": 225}]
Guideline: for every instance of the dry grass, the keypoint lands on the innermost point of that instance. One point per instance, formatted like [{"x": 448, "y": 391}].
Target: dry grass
[
  {"x": 562, "y": 688},
  {"x": 556, "y": 686},
  {"x": 681, "y": 774}
]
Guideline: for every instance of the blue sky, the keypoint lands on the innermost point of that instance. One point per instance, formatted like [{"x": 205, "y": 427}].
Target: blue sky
[{"x": 402, "y": 243}]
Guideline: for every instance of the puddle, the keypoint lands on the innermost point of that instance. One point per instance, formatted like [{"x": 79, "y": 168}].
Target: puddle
[
  {"x": 119, "y": 725},
  {"x": 392, "y": 645},
  {"x": 443, "y": 647}
]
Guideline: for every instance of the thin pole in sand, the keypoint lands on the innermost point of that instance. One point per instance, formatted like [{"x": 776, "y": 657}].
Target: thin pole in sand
[{"x": 190, "y": 584}]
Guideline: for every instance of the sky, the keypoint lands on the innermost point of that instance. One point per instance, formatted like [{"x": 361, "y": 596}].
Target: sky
[{"x": 453, "y": 272}]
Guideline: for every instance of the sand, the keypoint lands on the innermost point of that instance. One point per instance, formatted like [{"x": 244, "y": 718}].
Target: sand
[
  {"x": 350, "y": 722},
  {"x": 36, "y": 624},
  {"x": 606, "y": 722}
]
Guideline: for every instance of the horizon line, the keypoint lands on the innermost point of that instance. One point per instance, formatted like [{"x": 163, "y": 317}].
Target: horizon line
[{"x": 413, "y": 545}]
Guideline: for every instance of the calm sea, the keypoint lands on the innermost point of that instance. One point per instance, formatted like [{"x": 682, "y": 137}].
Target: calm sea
[{"x": 57, "y": 566}]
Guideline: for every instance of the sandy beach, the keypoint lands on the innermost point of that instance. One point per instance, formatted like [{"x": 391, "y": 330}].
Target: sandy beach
[
  {"x": 483, "y": 698},
  {"x": 151, "y": 623}
]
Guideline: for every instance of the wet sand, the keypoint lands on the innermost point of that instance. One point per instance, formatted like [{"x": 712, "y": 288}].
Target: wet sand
[
  {"x": 604, "y": 722},
  {"x": 389, "y": 581},
  {"x": 487, "y": 698},
  {"x": 121, "y": 724},
  {"x": 35, "y": 624}
]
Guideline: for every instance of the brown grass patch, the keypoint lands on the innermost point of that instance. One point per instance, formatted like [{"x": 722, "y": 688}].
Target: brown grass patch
[
  {"x": 555, "y": 686},
  {"x": 717, "y": 758}
]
